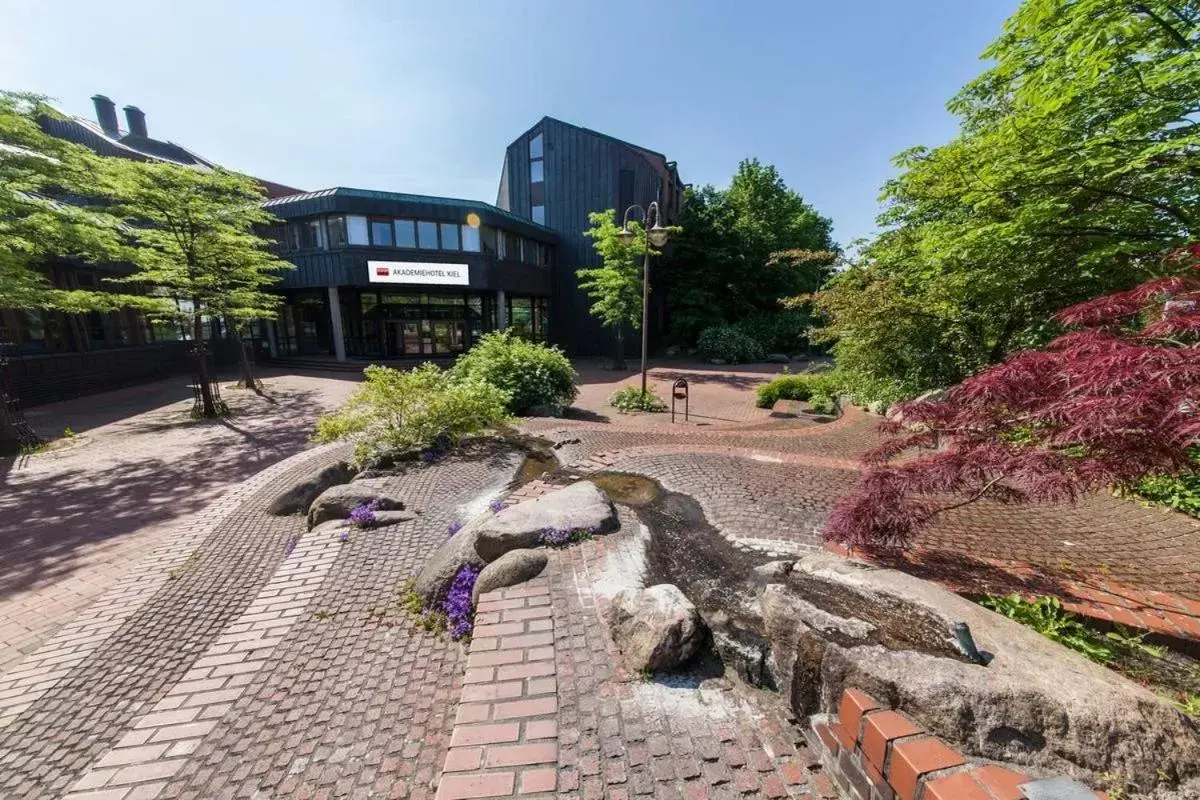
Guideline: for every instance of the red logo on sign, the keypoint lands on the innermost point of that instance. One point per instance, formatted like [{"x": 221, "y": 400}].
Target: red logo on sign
[{"x": 382, "y": 271}]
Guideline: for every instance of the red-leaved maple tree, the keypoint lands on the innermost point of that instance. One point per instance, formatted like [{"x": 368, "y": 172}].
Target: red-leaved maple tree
[{"x": 1109, "y": 402}]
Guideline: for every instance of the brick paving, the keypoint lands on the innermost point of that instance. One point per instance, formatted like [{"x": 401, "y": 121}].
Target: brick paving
[{"x": 136, "y": 474}]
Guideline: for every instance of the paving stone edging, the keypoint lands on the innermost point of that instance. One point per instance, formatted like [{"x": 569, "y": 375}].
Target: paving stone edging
[
  {"x": 160, "y": 741},
  {"x": 505, "y": 740},
  {"x": 39, "y": 672},
  {"x": 874, "y": 753}
]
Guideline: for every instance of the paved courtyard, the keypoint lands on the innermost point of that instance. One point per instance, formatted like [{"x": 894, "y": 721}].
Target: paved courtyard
[{"x": 164, "y": 637}]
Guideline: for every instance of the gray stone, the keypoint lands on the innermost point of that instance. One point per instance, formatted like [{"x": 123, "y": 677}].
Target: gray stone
[
  {"x": 385, "y": 518},
  {"x": 337, "y": 502},
  {"x": 720, "y": 362},
  {"x": 445, "y": 562},
  {"x": 300, "y": 496},
  {"x": 656, "y": 628},
  {"x": 778, "y": 358},
  {"x": 515, "y": 566},
  {"x": 580, "y": 506},
  {"x": 1056, "y": 789},
  {"x": 774, "y": 571},
  {"x": 1036, "y": 704}
]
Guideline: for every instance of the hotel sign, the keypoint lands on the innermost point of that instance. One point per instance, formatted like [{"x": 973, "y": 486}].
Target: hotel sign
[{"x": 417, "y": 272}]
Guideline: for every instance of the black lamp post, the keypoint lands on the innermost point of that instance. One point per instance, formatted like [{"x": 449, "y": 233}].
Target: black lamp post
[{"x": 657, "y": 236}]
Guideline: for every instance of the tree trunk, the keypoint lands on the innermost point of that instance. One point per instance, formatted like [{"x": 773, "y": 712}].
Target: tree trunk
[
  {"x": 619, "y": 361},
  {"x": 209, "y": 405},
  {"x": 248, "y": 380}
]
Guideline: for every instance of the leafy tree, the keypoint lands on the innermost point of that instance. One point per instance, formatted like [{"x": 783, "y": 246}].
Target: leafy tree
[
  {"x": 196, "y": 245},
  {"x": 742, "y": 250},
  {"x": 1103, "y": 405},
  {"x": 1075, "y": 166},
  {"x": 615, "y": 287},
  {"x": 43, "y": 215}
]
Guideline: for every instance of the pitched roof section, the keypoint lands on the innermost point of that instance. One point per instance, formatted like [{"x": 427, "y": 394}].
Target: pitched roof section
[{"x": 400, "y": 197}]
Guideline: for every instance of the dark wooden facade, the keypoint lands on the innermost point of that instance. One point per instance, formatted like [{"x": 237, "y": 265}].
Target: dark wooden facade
[{"x": 584, "y": 171}]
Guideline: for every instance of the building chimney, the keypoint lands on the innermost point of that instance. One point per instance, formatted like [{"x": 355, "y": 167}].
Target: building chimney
[
  {"x": 137, "y": 121},
  {"x": 106, "y": 114}
]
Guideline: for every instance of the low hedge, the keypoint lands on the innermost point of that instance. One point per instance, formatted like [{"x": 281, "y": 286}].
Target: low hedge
[{"x": 801, "y": 386}]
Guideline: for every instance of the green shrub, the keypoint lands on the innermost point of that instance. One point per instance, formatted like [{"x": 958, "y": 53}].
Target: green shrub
[
  {"x": 395, "y": 412},
  {"x": 729, "y": 344},
  {"x": 778, "y": 331},
  {"x": 631, "y": 398},
  {"x": 531, "y": 374},
  {"x": 1180, "y": 492},
  {"x": 801, "y": 386},
  {"x": 823, "y": 404}
]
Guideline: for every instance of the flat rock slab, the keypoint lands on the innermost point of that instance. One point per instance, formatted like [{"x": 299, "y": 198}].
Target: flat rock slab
[
  {"x": 337, "y": 502},
  {"x": 580, "y": 506},
  {"x": 515, "y": 566}
]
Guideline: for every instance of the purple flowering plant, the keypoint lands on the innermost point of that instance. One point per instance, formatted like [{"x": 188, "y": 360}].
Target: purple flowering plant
[
  {"x": 561, "y": 537},
  {"x": 496, "y": 506},
  {"x": 363, "y": 515},
  {"x": 290, "y": 545},
  {"x": 454, "y": 528},
  {"x": 459, "y": 614}
]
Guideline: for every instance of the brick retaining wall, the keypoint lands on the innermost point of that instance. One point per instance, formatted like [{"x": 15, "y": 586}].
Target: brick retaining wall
[{"x": 875, "y": 753}]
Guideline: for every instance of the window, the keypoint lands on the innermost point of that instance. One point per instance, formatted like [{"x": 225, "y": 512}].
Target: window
[
  {"x": 381, "y": 232},
  {"x": 337, "y": 231},
  {"x": 470, "y": 238},
  {"x": 449, "y": 236},
  {"x": 512, "y": 247},
  {"x": 532, "y": 252},
  {"x": 35, "y": 330},
  {"x": 293, "y": 242},
  {"x": 356, "y": 230},
  {"x": 537, "y": 178},
  {"x": 537, "y": 172},
  {"x": 406, "y": 234},
  {"x": 539, "y": 215},
  {"x": 488, "y": 237},
  {"x": 427, "y": 235},
  {"x": 535, "y": 146},
  {"x": 501, "y": 245},
  {"x": 312, "y": 234}
]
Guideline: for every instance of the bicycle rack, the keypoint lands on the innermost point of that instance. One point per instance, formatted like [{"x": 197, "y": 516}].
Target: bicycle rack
[{"x": 679, "y": 391}]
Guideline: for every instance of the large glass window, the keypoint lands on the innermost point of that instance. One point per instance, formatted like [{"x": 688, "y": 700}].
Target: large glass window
[
  {"x": 512, "y": 246},
  {"x": 356, "y": 230},
  {"x": 406, "y": 234},
  {"x": 381, "y": 232},
  {"x": 337, "y": 231},
  {"x": 539, "y": 215},
  {"x": 449, "y": 236},
  {"x": 487, "y": 236},
  {"x": 470, "y": 238},
  {"x": 427, "y": 235},
  {"x": 535, "y": 146},
  {"x": 537, "y": 172},
  {"x": 501, "y": 245},
  {"x": 312, "y": 234}
]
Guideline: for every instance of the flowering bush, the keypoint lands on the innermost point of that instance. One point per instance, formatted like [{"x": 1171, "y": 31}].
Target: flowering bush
[
  {"x": 561, "y": 537},
  {"x": 1107, "y": 405},
  {"x": 460, "y": 615},
  {"x": 363, "y": 515},
  {"x": 395, "y": 412},
  {"x": 729, "y": 344},
  {"x": 631, "y": 398},
  {"x": 530, "y": 374}
]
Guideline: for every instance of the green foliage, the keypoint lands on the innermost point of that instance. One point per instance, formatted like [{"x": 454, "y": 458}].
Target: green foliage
[
  {"x": 1072, "y": 172},
  {"x": 631, "y": 398},
  {"x": 729, "y": 344},
  {"x": 800, "y": 386},
  {"x": 1047, "y": 616},
  {"x": 36, "y": 171},
  {"x": 68, "y": 433},
  {"x": 823, "y": 404},
  {"x": 529, "y": 373},
  {"x": 1187, "y": 702},
  {"x": 395, "y": 412},
  {"x": 784, "y": 331},
  {"x": 1180, "y": 492},
  {"x": 741, "y": 250}
]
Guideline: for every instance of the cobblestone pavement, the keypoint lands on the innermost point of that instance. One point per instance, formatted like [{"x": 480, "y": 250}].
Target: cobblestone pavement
[{"x": 136, "y": 472}]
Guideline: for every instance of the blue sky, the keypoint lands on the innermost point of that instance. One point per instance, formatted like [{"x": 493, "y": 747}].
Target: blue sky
[{"x": 423, "y": 97}]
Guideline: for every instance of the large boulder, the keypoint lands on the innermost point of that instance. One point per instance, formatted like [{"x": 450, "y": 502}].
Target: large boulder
[
  {"x": 300, "y": 496},
  {"x": 435, "y": 577},
  {"x": 337, "y": 502},
  {"x": 778, "y": 358},
  {"x": 656, "y": 628},
  {"x": 835, "y": 624},
  {"x": 515, "y": 566},
  {"x": 580, "y": 506}
]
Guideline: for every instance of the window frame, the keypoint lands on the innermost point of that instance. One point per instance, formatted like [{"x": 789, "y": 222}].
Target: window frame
[
  {"x": 412, "y": 229},
  {"x": 436, "y": 244},
  {"x": 443, "y": 228},
  {"x": 383, "y": 222}
]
